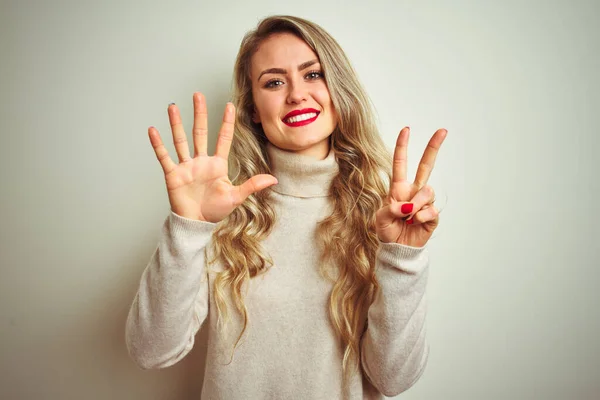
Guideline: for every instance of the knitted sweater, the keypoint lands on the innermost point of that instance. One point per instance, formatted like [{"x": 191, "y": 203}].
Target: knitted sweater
[{"x": 289, "y": 349}]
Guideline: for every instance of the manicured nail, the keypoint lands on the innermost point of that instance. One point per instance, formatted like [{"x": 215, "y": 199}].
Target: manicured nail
[
  {"x": 410, "y": 221},
  {"x": 406, "y": 208},
  {"x": 171, "y": 104}
]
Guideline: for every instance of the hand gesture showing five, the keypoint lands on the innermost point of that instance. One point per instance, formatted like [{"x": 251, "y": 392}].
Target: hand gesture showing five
[
  {"x": 199, "y": 187},
  {"x": 408, "y": 215}
]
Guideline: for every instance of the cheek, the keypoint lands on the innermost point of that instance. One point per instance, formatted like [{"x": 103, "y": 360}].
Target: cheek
[
  {"x": 268, "y": 106},
  {"x": 322, "y": 96},
  {"x": 329, "y": 103},
  {"x": 261, "y": 101}
]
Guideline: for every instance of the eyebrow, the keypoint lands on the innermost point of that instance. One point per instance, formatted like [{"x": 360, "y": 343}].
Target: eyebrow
[{"x": 302, "y": 66}]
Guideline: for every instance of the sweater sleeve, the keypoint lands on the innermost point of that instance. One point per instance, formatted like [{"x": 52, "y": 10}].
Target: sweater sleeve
[
  {"x": 394, "y": 349},
  {"x": 173, "y": 295}
]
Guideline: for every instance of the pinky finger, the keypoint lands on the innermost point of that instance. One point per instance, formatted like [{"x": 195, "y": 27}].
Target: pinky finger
[
  {"x": 425, "y": 215},
  {"x": 162, "y": 154}
]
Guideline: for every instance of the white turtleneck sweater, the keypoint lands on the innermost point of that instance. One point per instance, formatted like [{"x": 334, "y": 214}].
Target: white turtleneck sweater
[{"x": 289, "y": 349}]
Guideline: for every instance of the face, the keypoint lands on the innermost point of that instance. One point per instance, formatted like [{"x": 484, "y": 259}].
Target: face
[{"x": 291, "y": 98}]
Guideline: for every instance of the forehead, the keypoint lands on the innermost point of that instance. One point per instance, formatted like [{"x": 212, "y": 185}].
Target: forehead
[{"x": 281, "y": 50}]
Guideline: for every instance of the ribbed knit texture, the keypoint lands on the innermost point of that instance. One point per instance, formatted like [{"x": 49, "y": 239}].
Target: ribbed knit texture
[{"x": 289, "y": 350}]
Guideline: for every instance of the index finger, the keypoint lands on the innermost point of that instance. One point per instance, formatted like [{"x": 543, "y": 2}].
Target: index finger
[
  {"x": 399, "y": 167},
  {"x": 428, "y": 160},
  {"x": 226, "y": 132}
]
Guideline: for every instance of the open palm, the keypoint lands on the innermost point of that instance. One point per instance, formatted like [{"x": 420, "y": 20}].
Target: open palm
[{"x": 199, "y": 188}]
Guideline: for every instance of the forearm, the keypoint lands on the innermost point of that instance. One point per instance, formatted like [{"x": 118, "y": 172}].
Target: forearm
[
  {"x": 394, "y": 346},
  {"x": 172, "y": 299}
]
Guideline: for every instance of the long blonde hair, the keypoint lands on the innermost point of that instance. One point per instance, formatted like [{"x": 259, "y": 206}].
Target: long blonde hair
[{"x": 346, "y": 238}]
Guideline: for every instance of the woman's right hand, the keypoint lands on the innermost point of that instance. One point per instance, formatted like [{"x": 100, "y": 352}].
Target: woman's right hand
[{"x": 199, "y": 188}]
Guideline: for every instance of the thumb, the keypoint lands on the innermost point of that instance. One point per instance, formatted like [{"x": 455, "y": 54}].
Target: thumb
[
  {"x": 400, "y": 210},
  {"x": 253, "y": 185}
]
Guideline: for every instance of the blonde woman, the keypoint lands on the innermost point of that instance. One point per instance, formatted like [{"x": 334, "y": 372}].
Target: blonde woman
[{"x": 309, "y": 269}]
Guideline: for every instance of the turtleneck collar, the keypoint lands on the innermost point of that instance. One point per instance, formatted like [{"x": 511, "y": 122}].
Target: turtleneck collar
[{"x": 300, "y": 175}]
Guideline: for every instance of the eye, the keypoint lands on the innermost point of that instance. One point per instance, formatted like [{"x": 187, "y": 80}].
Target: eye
[
  {"x": 313, "y": 73},
  {"x": 270, "y": 84}
]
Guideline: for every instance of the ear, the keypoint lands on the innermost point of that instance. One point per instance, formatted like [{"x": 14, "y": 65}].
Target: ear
[{"x": 255, "y": 116}]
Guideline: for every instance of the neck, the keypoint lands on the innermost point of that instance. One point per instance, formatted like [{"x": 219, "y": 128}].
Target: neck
[
  {"x": 302, "y": 175},
  {"x": 319, "y": 151}
]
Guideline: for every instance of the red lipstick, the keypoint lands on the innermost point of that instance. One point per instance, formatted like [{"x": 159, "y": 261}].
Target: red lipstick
[{"x": 299, "y": 112}]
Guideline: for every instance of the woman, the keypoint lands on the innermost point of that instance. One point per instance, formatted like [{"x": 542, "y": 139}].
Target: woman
[{"x": 310, "y": 270}]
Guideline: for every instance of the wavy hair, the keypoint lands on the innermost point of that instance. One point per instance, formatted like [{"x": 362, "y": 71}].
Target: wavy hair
[{"x": 347, "y": 240}]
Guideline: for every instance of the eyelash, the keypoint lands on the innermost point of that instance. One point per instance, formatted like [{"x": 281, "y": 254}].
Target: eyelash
[{"x": 269, "y": 86}]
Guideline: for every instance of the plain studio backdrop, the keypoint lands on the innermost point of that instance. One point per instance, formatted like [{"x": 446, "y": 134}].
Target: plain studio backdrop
[{"x": 513, "y": 291}]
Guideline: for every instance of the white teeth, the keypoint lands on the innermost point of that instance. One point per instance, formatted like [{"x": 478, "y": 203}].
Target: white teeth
[{"x": 301, "y": 117}]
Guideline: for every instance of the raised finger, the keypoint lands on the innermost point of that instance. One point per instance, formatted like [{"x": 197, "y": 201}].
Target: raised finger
[
  {"x": 162, "y": 154},
  {"x": 428, "y": 160},
  {"x": 200, "y": 129},
  {"x": 400, "y": 156},
  {"x": 179, "y": 138},
  {"x": 226, "y": 132}
]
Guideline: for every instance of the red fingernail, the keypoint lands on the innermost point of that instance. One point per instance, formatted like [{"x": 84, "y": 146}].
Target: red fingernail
[
  {"x": 406, "y": 208},
  {"x": 410, "y": 221}
]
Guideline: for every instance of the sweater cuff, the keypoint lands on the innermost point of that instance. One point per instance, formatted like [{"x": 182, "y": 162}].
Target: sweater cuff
[
  {"x": 188, "y": 227},
  {"x": 403, "y": 257}
]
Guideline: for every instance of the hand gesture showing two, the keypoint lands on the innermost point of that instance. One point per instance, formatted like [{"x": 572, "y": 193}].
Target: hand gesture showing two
[
  {"x": 199, "y": 187},
  {"x": 408, "y": 215}
]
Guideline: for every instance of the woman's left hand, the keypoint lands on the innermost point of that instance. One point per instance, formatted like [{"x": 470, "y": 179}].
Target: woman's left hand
[{"x": 415, "y": 225}]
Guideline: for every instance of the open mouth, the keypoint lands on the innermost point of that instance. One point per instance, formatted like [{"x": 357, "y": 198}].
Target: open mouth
[{"x": 301, "y": 119}]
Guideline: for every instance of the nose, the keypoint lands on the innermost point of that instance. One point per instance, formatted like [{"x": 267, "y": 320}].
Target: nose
[{"x": 297, "y": 93}]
